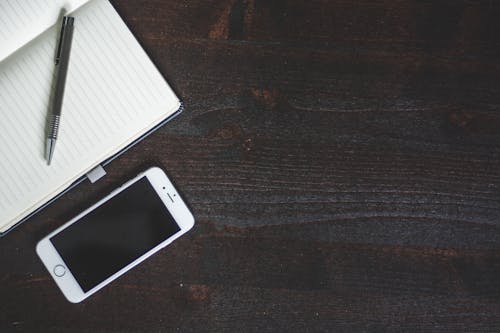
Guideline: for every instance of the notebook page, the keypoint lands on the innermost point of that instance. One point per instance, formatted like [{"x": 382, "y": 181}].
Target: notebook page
[
  {"x": 23, "y": 20},
  {"x": 113, "y": 95}
]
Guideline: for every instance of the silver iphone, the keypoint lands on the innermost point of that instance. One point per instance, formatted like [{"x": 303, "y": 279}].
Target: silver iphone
[{"x": 115, "y": 234}]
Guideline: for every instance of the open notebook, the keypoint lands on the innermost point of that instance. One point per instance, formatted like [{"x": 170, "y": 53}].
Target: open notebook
[{"x": 114, "y": 96}]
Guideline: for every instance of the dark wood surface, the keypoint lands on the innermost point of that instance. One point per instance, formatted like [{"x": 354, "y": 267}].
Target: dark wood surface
[{"x": 342, "y": 160}]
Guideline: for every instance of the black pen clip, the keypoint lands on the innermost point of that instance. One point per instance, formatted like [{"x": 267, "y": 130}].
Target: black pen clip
[{"x": 67, "y": 20}]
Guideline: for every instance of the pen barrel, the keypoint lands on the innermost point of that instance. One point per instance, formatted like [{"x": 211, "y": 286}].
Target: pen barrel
[
  {"x": 62, "y": 62},
  {"x": 53, "y": 126}
]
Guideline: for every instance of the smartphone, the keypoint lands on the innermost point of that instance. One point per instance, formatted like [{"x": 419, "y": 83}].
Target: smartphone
[{"x": 117, "y": 233}]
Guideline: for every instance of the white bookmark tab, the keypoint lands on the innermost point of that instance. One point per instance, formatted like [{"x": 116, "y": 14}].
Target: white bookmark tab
[{"x": 95, "y": 174}]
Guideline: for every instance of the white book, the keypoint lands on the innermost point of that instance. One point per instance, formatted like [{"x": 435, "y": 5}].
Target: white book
[{"x": 114, "y": 95}]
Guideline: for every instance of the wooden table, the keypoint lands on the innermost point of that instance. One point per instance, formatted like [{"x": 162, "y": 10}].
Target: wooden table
[{"x": 342, "y": 160}]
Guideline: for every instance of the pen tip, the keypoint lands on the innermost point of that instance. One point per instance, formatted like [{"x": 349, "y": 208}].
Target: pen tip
[{"x": 49, "y": 151}]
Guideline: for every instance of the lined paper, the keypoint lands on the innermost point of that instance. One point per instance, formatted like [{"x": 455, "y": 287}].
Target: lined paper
[{"x": 114, "y": 94}]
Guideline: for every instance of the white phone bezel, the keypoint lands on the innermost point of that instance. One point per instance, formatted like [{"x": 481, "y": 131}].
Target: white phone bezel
[{"x": 172, "y": 200}]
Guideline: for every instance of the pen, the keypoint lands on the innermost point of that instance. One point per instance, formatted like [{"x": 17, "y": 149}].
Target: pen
[{"x": 61, "y": 61}]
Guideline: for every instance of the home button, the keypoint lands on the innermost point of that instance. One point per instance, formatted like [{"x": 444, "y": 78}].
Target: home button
[{"x": 59, "y": 270}]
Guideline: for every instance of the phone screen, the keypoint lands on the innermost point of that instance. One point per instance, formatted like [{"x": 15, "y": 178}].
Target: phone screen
[{"x": 115, "y": 234}]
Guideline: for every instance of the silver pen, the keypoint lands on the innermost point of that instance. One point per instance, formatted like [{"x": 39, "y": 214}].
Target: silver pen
[{"x": 62, "y": 61}]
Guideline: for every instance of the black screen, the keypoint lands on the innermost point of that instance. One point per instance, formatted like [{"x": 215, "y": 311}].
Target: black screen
[{"x": 115, "y": 234}]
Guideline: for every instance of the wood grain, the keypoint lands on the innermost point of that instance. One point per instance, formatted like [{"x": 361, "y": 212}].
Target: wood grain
[{"x": 342, "y": 160}]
